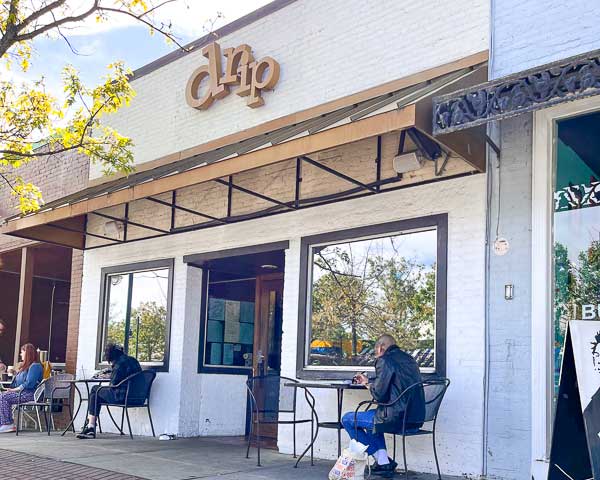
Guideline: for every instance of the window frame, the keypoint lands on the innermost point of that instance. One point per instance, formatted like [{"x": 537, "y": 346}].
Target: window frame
[
  {"x": 131, "y": 268},
  {"x": 440, "y": 223}
]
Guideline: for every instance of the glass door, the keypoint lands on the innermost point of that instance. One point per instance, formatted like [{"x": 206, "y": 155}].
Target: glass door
[{"x": 576, "y": 229}]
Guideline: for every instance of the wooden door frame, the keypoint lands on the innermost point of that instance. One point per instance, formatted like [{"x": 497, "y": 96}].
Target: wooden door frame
[{"x": 258, "y": 327}]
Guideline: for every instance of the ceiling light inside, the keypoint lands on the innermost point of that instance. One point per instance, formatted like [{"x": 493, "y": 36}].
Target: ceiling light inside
[{"x": 269, "y": 266}]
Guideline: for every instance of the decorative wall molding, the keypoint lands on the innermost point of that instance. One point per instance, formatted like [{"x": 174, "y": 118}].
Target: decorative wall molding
[{"x": 566, "y": 80}]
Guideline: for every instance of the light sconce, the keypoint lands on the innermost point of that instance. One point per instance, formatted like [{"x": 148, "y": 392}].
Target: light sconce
[
  {"x": 113, "y": 229},
  {"x": 509, "y": 291}
]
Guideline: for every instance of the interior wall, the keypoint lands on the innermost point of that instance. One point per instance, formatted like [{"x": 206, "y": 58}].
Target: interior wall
[{"x": 46, "y": 309}]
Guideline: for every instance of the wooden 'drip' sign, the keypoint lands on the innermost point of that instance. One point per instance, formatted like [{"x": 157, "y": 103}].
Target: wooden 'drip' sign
[{"x": 252, "y": 77}]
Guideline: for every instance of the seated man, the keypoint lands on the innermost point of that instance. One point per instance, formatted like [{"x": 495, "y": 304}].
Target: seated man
[
  {"x": 122, "y": 367},
  {"x": 395, "y": 371}
]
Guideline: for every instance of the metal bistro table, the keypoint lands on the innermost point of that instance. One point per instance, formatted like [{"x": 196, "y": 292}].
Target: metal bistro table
[
  {"x": 86, "y": 382},
  {"x": 340, "y": 387}
]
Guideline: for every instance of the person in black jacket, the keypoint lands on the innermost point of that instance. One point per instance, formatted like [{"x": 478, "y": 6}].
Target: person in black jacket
[
  {"x": 395, "y": 371},
  {"x": 123, "y": 366}
]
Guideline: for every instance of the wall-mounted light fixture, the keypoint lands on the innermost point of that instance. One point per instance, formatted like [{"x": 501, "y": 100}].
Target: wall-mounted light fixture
[
  {"x": 509, "y": 291},
  {"x": 113, "y": 229}
]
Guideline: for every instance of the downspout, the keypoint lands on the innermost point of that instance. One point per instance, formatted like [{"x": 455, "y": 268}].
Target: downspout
[{"x": 488, "y": 231}]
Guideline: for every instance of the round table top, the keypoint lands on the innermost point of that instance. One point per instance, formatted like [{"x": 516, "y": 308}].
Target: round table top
[
  {"x": 339, "y": 385},
  {"x": 89, "y": 380}
]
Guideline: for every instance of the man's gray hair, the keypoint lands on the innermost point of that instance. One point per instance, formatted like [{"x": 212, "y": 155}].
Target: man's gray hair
[{"x": 385, "y": 341}]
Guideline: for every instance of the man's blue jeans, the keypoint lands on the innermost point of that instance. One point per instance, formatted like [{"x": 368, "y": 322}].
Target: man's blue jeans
[{"x": 364, "y": 431}]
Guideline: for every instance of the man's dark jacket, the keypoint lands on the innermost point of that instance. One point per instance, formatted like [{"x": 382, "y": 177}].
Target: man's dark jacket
[
  {"x": 123, "y": 367},
  {"x": 395, "y": 371}
]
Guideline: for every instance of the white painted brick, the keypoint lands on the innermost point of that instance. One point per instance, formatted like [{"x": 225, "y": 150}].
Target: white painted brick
[
  {"x": 528, "y": 33},
  {"x": 222, "y": 401},
  {"x": 324, "y": 53}
]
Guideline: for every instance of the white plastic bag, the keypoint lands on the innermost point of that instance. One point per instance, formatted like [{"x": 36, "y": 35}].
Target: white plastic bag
[{"x": 351, "y": 464}]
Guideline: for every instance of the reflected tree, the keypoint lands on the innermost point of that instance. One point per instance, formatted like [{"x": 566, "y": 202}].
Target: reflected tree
[
  {"x": 148, "y": 323},
  {"x": 146, "y": 333},
  {"x": 356, "y": 298}
]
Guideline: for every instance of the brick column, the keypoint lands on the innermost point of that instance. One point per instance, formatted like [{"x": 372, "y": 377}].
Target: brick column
[{"x": 74, "y": 306}]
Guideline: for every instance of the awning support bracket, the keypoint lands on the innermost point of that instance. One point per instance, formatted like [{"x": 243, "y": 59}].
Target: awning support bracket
[
  {"x": 492, "y": 145},
  {"x": 125, "y": 225},
  {"x": 173, "y": 205},
  {"x": 130, "y": 222},
  {"x": 231, "y": 185},
  {"x": 298, "y": 182},
  {"x": 338, "y": 174},
  {"x": 440, "y": 170},
  {"x": 83, "y": 232},
  {"x": 378, "y": 165},
  {"x": 229, "y": 195}
]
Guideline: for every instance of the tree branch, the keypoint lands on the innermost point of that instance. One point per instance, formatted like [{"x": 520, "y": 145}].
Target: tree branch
[
  {"x": 76, "y": 18},
  {"x": 7, "y": 181},
  {"x": 145, "y": 22},
  {"x": 40, "y": 13}
]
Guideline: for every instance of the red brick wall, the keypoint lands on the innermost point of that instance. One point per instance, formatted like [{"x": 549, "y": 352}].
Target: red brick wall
[
  {"x": 74, "y": 304},
  {"x": 55, "y": 175}
]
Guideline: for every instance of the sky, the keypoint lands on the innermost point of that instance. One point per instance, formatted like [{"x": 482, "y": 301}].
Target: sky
[
  {"x": 121, "y": 38},
  {"x": 419, "y": 247}
]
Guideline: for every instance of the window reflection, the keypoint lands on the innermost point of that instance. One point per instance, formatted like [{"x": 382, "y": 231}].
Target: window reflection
[
  {"x": 576, "y": 227},
  {"x": 136, "y": 313},
  {"x": 118, "y": 288},
  {"x": 364, "y": 288}
]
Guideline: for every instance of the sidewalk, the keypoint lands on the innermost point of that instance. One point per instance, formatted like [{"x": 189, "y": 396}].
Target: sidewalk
[{"x": 151, "y": 459}]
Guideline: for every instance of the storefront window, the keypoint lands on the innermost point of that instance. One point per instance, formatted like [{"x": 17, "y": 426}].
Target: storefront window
[
  {"x": 136, "y": 312},
  {"x": 576, "y": 226},
  {"x": 229, "y": 326},
  {"x": 360, "y": 288}
]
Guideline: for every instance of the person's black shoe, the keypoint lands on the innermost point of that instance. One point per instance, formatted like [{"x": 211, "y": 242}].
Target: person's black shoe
[
  {"x": 385, "y": 471},
  {"x": 87, "y": 432}
]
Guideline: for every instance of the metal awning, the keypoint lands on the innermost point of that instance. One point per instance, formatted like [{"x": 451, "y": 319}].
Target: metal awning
[
  {"x": 562, "y": 81},
  {"x": 63, "y": 221}
]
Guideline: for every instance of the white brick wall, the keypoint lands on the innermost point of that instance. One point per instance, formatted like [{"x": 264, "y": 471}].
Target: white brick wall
[
  {"x": 509, "y": 404},
  {"x": 327, "y": 49},
  {"x": 527, "y": 33},
  {"x": 202, "y": 396}
]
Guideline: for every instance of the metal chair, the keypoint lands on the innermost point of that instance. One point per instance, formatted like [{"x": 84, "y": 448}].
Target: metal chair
[
  {"x": 55, "y": 390},
  {"x": 434, "y": 391},
  {"x": 37, "y": 396},
  {"x": 262, "y": 411},
  {"x": 133, "y": 399}
]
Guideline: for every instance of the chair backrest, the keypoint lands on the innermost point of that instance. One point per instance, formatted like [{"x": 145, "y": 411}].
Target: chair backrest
[
  {"x": 140, "y": 386},
  {"x": 38, "y": 395},
  {"x": 434, "y": 391},
  {"x": 271, "y": 394},
  {"x": 58, "y": 386},
  {"x": 47, "y": 369}
]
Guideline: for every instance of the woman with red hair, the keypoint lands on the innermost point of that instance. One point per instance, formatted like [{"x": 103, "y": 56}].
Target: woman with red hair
[{"x": 28, "y": 378}]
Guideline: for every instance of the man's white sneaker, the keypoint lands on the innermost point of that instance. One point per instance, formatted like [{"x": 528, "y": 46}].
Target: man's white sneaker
[{"x": 7, "y": 428}]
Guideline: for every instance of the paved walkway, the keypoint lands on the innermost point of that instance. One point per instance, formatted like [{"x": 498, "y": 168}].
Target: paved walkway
[
  {"x": 113, "y": 457},
  {"x": 29, "y": 467}
]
